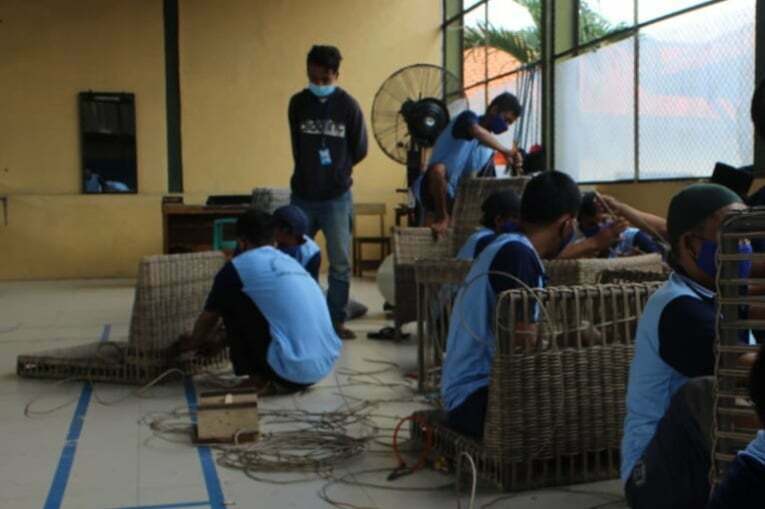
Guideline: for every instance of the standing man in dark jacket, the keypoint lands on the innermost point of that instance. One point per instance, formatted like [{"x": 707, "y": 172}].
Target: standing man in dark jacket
[{"x": 328, "y": 139}]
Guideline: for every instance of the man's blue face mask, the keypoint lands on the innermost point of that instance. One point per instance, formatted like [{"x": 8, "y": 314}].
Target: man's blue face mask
[
  {"x": 705, "y": 259},
  {"x": 590, "y": 231},
  {"x": 321, "y": 90},
  {"x": 497, "y": 124},
  {"x": 291, "y": 251}
]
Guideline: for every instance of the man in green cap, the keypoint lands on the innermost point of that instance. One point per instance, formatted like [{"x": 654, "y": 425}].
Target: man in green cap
[{"x": 666, "y": 445}]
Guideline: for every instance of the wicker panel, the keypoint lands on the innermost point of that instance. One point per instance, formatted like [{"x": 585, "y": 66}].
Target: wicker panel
[
  {"x": 736, "y": 423},
  {"x": 268, "y": 199},
  {"x": 170, "y": 293},
  {"x": 470, "y": 196},
  {"x": 631, "y": 276},
  {"x": 437, "y": 285},
  {"x": 556, "y": 404},
  {"x": 409, "y": 245},
  {"x": 586, "y": 271}
]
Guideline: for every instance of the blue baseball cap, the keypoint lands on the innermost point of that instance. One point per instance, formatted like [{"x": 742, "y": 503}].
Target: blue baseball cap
[{"x": 292, "y": 217}]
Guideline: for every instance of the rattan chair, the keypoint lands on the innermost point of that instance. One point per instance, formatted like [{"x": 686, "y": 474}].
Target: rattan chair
[
  {"x": 623, "y": 276},
  {"x": 556, "y": 404},
  {"x": 409, "y": 245},
  {"x": 735, "y": 422},
  {"x": 437, "y": 285},
  {"x": 268, "y": 199},
  {"x": 432, "y": 277},
  {"x": 170, "y": 293},
  {"x": 587, "y": 271},
  {"x": 471, "y": 193}
]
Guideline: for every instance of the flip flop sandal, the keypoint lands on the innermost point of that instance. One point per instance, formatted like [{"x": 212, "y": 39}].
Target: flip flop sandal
[{"x": 387, "y": 334}]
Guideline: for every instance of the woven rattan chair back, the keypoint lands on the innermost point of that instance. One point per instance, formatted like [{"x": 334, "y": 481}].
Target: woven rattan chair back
[
  {"x": 587, "y": 271},
  {"x": 471, "y": 193},
  {"x": 170, "y": 293},
  {"x": 736, "y": 422}
]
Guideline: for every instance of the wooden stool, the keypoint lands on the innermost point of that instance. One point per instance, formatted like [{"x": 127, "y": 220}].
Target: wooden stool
[{"x": 359, "y": 263}]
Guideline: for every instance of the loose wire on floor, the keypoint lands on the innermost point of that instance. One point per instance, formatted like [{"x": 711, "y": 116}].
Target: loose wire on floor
[{"x": 458, "y": 474}]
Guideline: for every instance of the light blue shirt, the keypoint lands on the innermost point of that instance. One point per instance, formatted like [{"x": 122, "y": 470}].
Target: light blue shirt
[
  {"x": 307, "y": 250},
  {"x": 652, "y": 382},
  {"x": 460, "y": 157},
  {"x": 626, "y": 243},
  {"x": 756, "y": 448},
  {"x": 471, "y": 342},
  {"x": 467, "y": 251},
  {"x": 304, "y": 345}
]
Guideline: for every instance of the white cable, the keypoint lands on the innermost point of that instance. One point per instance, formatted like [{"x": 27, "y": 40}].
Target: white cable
[{"x": 471, "y": 505}]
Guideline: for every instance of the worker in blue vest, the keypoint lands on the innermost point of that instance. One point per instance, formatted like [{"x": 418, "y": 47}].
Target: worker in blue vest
[
  {"x": 500, "y": 210},
  {"x": 666, "y": 445},
  {"x": 549, "y": 207},
  {"x": 744, "y": 483},
  {"x": 291, "y": 238},
  {"x": 278, "y": 327},
  {"x": 465, "y": 146}
]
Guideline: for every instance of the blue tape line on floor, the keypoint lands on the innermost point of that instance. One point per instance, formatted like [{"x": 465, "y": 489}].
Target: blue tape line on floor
[
  {"x": 205, "y": 503},
  {"x": 209, "y": 471},
  {"x": 64, "y": 468}
]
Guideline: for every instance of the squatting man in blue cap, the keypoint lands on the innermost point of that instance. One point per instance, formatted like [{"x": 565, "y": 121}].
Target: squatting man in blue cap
[
  {"x": 292, "y": 238},
  {"x": 278, "y": 328}
]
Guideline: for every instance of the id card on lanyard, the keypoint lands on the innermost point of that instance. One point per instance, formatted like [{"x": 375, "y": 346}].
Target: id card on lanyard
[{"x": 325, "y": 157}]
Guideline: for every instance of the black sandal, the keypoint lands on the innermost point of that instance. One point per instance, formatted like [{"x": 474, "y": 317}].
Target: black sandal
[{"x": 388, "y": 334}]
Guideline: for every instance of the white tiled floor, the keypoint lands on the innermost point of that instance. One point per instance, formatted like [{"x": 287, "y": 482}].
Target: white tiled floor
[{"x": 119, "y": 463}]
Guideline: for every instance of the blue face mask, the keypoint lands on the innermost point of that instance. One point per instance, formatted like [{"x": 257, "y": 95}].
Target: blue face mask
[
  {"x": 706, "y": 259},
  {"x": 321, "y": 90},
  {"x": 497, "y": 124},
  {"x": 509, "y": 227},
  {"x": 591, "y": 231},
  {"x": 291, "y": 251}
]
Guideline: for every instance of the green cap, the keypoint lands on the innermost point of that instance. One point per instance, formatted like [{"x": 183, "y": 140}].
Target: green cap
[{"x": 691, "y": 206}]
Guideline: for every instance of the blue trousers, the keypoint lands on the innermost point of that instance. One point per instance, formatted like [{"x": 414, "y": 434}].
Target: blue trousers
[{"x": 334, "y": 219}]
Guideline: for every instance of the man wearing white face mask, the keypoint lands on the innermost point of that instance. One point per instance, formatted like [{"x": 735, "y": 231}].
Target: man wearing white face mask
[{"x": 328, "y": 139}]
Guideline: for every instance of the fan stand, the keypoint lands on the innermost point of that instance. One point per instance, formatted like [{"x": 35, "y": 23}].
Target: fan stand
[{"x": 415, "y": 166}]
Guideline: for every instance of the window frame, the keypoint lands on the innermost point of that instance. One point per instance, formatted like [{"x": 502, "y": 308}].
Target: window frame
[{"x": 550, "y": 58}]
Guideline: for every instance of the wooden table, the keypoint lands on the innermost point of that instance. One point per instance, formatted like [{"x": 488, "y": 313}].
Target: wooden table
[{"x": 189, "y": 228}]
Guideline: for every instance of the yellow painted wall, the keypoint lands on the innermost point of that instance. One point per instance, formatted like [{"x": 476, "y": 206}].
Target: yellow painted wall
[
  {"x": 241, "y": 64},
  {"x": 651, "y": 197},
  {"x": 241, "y": 60},
  {"x": 49, "y": 51}
]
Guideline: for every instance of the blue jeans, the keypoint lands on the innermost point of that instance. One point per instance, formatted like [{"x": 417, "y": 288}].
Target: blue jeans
[{"x": 333, "y": 218}]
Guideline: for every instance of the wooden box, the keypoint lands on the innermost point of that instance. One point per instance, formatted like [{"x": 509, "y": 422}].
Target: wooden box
[{"x": 223, "y": 416}]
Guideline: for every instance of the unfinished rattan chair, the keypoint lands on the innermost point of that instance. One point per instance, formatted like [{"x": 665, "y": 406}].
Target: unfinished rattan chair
[
  {"x": 587, "y": 271},
  {"x": 735, "y": 422},
  {"x": 410, "y": 245},
  {"x": 631, "y": 276},
  {"x": 170, "y": 293},
  {"x": 432, "y": 277},
  {"x": 557, "y": 404},
  {"x": 268, "y": 199},
  {"x": 437, "y": 285},
  {"x": 471, "y": 193}
]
